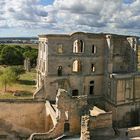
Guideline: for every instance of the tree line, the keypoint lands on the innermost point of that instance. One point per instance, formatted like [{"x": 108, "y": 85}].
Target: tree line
[{"x": 15, "y": 55}]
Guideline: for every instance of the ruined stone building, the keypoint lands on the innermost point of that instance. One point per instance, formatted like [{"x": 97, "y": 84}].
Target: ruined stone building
[{"x": 100, "y": 69}]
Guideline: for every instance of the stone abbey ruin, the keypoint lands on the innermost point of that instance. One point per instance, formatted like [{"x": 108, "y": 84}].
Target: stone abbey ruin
[{"x": 87, "y": 85}]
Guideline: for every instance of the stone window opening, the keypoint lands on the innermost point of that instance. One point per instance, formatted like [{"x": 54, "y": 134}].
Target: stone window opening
[
  {"x": 75, "y": 92},
  {"x": 93, "y": 49},
  {"x": 59, "y": 71},
  {"x": 66, "y": 127},
  {"x": 67, "y": 115},
  {"x": 60, "y": 48},
  {"x": 76, "y": 66},
  {"x": 78, "y": 46},
  {"x": 91, "y": 88},
  {"x": 92, "y": 67}
]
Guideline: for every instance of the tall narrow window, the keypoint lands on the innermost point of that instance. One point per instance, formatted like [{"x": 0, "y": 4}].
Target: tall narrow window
[
  {"x": 92, "y": 68},
  {"x": 76, "y": 66},
  {"x": 60, "y": 48},
  {"x": 81, "y": 46},
  {"x": 91, "y": 88},
  {"x": 93, "y": 49},
  {"x": 78, "y": 46},
  {"x": 59, "y": 71}
]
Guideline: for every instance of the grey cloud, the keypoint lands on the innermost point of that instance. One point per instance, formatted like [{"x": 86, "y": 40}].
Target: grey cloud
[{"x": 68, "y": 15}]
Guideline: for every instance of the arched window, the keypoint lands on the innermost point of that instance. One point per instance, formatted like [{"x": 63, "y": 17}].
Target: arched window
[
  {"x": 78, "y": 46},
  {"x": 93, "y": 49},
  {"x": 76, "y": 66},
  {"x": 59, "y": 71}
]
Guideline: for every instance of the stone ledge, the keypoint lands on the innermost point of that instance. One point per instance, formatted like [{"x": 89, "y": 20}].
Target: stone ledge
[{"x": 22, "y": 100}]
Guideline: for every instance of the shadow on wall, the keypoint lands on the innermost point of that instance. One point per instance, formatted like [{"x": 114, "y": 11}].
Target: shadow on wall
[{"x": 12, "y": 131}]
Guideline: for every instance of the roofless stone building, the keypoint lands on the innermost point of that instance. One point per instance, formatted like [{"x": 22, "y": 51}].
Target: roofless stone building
[{"x": 99, "y": 68}]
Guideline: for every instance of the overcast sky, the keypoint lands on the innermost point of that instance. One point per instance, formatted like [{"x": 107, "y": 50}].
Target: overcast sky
[{"x": 34, "y": 17}]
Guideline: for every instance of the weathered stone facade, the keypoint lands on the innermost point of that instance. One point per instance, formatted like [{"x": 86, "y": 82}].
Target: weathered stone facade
[
  {"x": 57, "y": 68},
  {"x": 102, "y": 67}
]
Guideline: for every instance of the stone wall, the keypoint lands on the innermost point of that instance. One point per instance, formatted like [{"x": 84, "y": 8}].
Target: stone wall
[
  {"x": 125, "y": 115},
  {"x": 70, "y": 110},
  {"x": 68, "y": 116},
  {"x": 137, "y": 87},
  {"x": 94, "y": 126},
  {"x": 22, "y": 117},
  {"x": 101, "y": 121}
]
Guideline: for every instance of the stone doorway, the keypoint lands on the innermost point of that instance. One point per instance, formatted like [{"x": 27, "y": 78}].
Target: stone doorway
[{"x": 66, "y": 127}]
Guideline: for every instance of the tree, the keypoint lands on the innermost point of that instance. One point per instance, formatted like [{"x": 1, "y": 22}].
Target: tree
[
  {"x": 32, "y": 55},
  {"x": 27, "y": 48},
  {"x": 7, "y": 77},
  {"x": 19, "y": 48},
  {"x": 11, "y": 56},
  {"x": 2, "y": 46},
  {"x": 18, "y": 70}
]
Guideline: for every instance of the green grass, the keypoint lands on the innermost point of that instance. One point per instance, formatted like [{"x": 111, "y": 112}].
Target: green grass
[{"x": 25, "y": 87}]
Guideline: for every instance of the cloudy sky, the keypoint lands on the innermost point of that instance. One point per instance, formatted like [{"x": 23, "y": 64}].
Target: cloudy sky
[{"x": 33, "y": 17}]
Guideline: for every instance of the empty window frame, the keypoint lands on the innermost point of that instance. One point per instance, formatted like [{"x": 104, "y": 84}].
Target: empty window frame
[
  {"x": 59, "y": 71},
  {"x": 75, "y": 92},
  {"x": 66, "y": 127},
  {"x": 93, "y": 49},
  {"x": 76, "y": 66},
  {"x": 92, "y": 67},
  {"x": 60, "y": 48},
  {"x": 78, "y": 46},
  {"x": 91, "y": 88}
]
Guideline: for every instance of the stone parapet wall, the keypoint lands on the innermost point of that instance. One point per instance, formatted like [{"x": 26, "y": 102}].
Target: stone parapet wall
[
  {"x": 22, "y": 117},
  {"x": 94, "y": 126},
  {"x": 101, "y": 121}
]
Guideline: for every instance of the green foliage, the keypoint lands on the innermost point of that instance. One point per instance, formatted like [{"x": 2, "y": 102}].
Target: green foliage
[
  {"x": 11, "y": 56},
  {"x": 32, "y": 55},
  {"x": 7, "y": 77},
  {"x": 27, "y": 48},
  {"x": 2, "y": 46},
  {"x": 18, "y": 70},
  {"x": 15, "y": 54},
  {"x": 19, "y": 48},
  {"x": 27, "y": 54}
]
